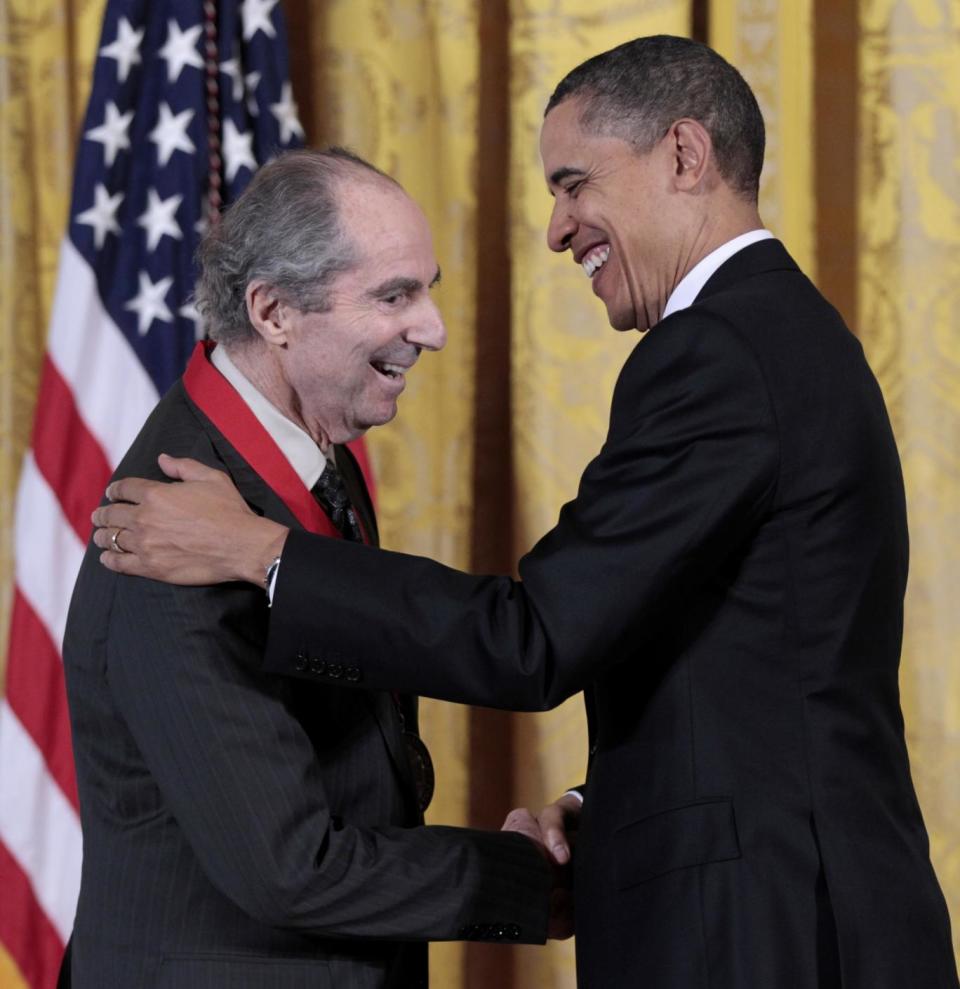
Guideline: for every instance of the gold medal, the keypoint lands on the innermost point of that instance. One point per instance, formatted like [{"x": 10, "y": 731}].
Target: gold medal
[{"x": 421, "y": 765}]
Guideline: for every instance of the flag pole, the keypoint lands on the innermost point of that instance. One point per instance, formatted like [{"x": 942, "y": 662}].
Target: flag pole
[{"x": 212, "y": 68}]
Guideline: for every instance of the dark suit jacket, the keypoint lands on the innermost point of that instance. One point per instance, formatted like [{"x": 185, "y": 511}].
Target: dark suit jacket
[
  {"x": 241, "y": 830},
  {"x": 727, "y": 586}
]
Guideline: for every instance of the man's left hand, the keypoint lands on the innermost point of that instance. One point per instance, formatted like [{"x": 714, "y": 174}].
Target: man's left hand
[
  {"x": 560, "y": 923},
  {"x": 198, "y": 531}
]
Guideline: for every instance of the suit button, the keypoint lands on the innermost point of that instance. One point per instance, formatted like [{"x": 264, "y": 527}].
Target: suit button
[
  {"x": 513, "y": 932},
  {"x": 318, "y": 666},
  {"x": 301, "y": 663},
  {"x": 353, "y": 674},
  {"x": 335, "y": 670}
]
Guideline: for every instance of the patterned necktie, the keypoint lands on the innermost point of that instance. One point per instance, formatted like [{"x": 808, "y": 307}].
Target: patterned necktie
[{"x": 334, "y": 500}]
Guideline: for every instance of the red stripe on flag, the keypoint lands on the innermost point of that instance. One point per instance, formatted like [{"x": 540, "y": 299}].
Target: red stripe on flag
[
  {"x": 26, "y": 933},
  {"x": 66, "y": 453},
  {"x": 36, "y": 692}
]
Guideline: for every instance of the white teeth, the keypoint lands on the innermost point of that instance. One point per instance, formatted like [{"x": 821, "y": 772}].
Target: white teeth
[
  {"x": 391, "y": 370},
  {"x": 595, "y": 260}
]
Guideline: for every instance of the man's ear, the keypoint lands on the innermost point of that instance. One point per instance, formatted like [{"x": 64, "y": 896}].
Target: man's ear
[
  {"x": 693, "y": 153},
  {"x": 266, "y": 312}
]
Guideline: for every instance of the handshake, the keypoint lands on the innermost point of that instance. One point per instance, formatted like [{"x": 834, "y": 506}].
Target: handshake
[{"x": 554, "y": 831}]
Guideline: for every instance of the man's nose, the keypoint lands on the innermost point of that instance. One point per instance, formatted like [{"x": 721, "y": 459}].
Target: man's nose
[
  {"x": 429, "y": 331},
  {"x": 561, "y": 227}
]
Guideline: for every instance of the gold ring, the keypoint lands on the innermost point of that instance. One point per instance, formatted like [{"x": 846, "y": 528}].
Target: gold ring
[{"x": 115, "y": 543}]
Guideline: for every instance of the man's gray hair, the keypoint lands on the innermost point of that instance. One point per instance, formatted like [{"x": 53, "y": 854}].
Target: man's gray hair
[
  {"x": 638, "y": 89},
  {"x": 283, "y": 230}
]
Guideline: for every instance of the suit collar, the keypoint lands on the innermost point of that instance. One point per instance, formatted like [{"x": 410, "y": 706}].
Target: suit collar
[
  {"x": 757, "y": 259},
  {"x": 688, "y": 288}
]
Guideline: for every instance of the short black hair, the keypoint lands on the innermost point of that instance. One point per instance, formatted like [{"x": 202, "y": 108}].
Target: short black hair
[{"x": 638, "y": 89}]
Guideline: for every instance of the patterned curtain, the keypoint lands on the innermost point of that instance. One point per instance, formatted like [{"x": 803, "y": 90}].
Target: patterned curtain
[
  {"x": 862, "y": 183},
  {"x": 908, "y": 285}
]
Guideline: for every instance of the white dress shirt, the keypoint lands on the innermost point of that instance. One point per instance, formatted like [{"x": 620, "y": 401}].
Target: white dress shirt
[{"x": 295, "y": 444}]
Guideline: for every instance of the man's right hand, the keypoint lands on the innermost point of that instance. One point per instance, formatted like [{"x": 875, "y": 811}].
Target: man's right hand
[
  {"x": 558, "y": 824},
  {"x": 198, "y": 531}
]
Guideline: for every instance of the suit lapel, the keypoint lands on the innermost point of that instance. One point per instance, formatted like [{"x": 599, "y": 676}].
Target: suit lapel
[
  {"x": 260, "y": 495},
  {"x": 386, "y": 708}
]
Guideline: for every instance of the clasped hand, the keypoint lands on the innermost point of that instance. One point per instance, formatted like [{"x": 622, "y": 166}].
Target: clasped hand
[{"x": 553, "y": 830}]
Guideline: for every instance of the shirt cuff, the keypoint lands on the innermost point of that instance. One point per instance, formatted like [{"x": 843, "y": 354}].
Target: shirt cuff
[{"x": 272, "y": 581}]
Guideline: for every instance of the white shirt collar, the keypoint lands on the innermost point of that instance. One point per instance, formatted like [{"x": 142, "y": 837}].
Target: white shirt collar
[
  {"x": 693, "y": 281},
  {"x": 295, "y": 444}
]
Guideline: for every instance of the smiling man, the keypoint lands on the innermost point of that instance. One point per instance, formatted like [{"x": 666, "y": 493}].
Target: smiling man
[
  {"x": 726, "y": 588},
  {"x": 240, "y": 830}
]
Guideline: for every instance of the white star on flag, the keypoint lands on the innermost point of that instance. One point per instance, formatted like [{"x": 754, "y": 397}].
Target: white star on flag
[
  {"x": 252, "y": 80},
  {"x": 256, "y": 17},
  {"x": 170, "y": 134},
  {"x": 112, "y": 133},
  {"x": 148, "y": 303},
  {"x": 237, "y": 149},
  {"x": 159, "y": 218},
  {"x": 286, "y": 113},
  {"x": 231, "y": 69},
  {"x": 102, "y": 215},
  {"x": 125, "y": 48},
  {"x": 189, "y": 311},
  {"x": 180, "y": 49}
]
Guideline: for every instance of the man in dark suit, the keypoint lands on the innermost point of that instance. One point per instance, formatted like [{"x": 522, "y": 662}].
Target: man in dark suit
[
  {"x": 726, "y": 588},
  {"x": 241, "y": 830}
]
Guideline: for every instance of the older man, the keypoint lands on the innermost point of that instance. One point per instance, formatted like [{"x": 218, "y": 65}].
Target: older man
[
  {"x": 727, "y": 586},
  {"x": 241, "y": 830}
]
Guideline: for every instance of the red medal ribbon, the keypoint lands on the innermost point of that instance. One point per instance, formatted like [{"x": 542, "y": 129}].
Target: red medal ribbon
[{"x": 224, "y": 407}]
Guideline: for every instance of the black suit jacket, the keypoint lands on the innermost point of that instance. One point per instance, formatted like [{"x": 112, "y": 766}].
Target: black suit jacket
[
  {"x": 241, "y": 830},
  {"x": 727, "y": 587}
]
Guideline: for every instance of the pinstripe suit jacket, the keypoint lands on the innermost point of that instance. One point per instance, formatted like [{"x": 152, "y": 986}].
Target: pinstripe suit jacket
[{"x": 241, "y": 830}]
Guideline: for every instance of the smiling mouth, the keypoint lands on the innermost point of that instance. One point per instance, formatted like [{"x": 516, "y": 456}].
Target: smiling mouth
[
  {"x": 595, "y": 259},
  {"x": 395, "y": 372}
]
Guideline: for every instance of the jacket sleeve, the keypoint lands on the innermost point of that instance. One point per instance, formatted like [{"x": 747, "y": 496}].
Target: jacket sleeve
[
  {"x": 686, "y": 475},
  {"x": 242, "y": 779}
]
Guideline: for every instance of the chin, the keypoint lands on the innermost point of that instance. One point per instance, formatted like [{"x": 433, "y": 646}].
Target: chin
[
  {"x": 623, "y": 320},
  {"x": 376, "y": 417}
]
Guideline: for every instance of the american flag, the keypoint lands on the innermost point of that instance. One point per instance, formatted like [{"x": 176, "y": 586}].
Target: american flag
[{"x": 187, "y": 98}]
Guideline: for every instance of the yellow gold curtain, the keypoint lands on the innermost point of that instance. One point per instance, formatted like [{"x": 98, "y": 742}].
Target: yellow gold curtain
[
  {"x": 770, "y": 41},
  {"x": 416, "y": 85},
  {"x": 908, "y": 281}
]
